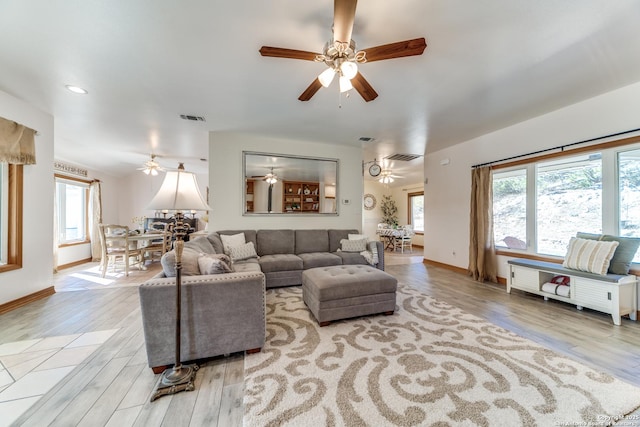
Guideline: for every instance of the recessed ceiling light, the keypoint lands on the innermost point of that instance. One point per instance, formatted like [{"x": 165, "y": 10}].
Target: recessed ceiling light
[{"x": 76, "y": 89}]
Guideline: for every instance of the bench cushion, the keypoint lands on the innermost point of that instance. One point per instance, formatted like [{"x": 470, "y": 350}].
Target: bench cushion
[{"x": 558, "y": 268}]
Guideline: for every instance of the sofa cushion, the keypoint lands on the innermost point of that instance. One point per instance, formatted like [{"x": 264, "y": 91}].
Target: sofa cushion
[
  {"x": 216, "y": 242},
  {"x": 319, "y": 259},
  {"x": 280, "y": 262},
  {"x": 248, "y": 265},
  {"x": 351, "y": 258},
  {"x": 189, "y": 262},
  {"x": 336, "y": 235},
  {"x": 271, "y": 242},
  {"x": 311, "y": 241},
  {"x": 200, "y": 244}
]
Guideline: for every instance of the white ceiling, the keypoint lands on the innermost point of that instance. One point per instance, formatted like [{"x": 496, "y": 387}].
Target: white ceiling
[{"x": 488, "y": 64}]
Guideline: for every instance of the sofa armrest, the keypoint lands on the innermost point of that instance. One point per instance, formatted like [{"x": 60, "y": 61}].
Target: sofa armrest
[
  {"x": 221, "y": 314},
  {"x": 380, "y": 247}
]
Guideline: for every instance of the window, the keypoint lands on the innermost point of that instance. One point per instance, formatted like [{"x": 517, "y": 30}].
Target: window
[
  {"x": 416, "y": 211},
  {"x": 510, "y": 209},
  {"x": 73, "y": 212},
  {"x": 629, "y": 194},
  {"x": 568, "y": 199},
  {"x": 10, "y": 217},
  {"x": 539, "y": 204},
  {"x": 4, "y": 210}
]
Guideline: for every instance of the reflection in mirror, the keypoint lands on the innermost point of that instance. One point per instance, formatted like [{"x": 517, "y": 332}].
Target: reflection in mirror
[{"x": 283, "y": 184}]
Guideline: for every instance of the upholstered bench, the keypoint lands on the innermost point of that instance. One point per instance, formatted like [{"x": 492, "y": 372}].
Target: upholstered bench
[{"x": 344, "y": 291}]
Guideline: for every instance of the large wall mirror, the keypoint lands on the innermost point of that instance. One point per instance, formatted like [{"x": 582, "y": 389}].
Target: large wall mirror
[{"x": 289, "y": 185}]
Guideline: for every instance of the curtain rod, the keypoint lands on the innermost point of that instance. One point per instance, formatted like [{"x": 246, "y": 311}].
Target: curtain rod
[{"x": 559, "y": 147}]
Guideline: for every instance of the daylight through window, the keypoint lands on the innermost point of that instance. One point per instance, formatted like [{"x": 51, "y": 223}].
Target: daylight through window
[
  {"x": 539, "y": 206},
  {"x": 416, "y": 211},
  {"x": 73, "y": 213}
]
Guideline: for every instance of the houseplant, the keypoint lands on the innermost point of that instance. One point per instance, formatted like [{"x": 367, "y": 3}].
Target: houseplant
[{"x": 389, "y": 211}]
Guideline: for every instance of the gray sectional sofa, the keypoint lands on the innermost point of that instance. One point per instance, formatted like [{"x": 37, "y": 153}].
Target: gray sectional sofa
[{"x": 225, "y": 313}]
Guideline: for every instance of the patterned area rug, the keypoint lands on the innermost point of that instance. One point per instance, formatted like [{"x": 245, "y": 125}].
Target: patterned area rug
[{"x": 430, "y": 364}]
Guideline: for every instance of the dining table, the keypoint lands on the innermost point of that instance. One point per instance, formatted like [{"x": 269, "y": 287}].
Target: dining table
[
  {"x": 389, "y": 236},
  {"x": 140, "y": 239}
]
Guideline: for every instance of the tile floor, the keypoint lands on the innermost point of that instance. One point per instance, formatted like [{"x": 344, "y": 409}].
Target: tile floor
[{"x": 28, "y": 369}]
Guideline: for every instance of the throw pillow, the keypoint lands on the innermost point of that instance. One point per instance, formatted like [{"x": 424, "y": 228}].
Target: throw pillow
[
  {"x": 624, "y": 254},
  {"x": 356, "y": 236},
  {"x": 229, "y": 240},
  {"x": 373, "y": 247},
  {"x": 189, "y": 263},
  {"x": 589, "y": 255},
  {"x": 214, "y": 264},
  {"x": 244, "y": 251},
  {"x": 353, "y": 245}
]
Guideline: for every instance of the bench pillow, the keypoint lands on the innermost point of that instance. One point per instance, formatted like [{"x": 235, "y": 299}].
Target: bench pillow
[
  {"x": 589, "y": 255},
  {"x": 623, "y": 256}
]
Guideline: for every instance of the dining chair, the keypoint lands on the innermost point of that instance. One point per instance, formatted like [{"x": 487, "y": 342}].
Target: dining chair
[
  {"x": 160, "y": 246},
  {"x": 114, "y": 240},
  {"x": 404, "y": 239}
]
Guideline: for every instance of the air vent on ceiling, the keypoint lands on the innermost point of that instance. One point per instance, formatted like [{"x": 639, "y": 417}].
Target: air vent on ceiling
[
  {"x": 193, "y": 118},
  {"x": 366, "y": 139},
  {"x": 403, "y": 157}
]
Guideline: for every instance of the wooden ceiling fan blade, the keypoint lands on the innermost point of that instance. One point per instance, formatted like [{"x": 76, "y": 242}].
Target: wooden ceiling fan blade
[
  {"x": 364, "y": 88},
  {"x": 311, "y": 90},
  {"x": 411, "y": 47},
  {"x": 279, "y": 52},
  {"x": 344, "y": 13}
]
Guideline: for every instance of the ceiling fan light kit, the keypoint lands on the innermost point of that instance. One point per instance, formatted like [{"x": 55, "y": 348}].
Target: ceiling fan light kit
[{"x": 342, "y": 58}]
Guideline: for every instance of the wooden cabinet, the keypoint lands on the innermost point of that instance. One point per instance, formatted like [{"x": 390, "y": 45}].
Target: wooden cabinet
[
  {"x": 300, "y": 196},
  {"x": 615, "y": 295},
  {"x": 249, "y": 195}
]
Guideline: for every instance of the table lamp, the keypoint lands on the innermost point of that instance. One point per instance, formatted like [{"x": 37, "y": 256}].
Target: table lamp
[{"x": 179, "y": 193}]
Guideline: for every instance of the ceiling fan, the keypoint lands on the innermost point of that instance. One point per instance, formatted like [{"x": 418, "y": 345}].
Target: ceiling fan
[
  {"x": 151, "y": 167},
  {"x": 387, "y": 177},
  {"x": 341, "y": 56},
  {"x": 270, "y": 178}
]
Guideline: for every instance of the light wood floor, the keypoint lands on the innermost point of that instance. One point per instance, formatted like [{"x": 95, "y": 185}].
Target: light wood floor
[{"x": 113, "y": 386}]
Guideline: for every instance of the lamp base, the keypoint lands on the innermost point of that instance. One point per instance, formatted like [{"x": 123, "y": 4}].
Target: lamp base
[{"x": 175, "y": 380}]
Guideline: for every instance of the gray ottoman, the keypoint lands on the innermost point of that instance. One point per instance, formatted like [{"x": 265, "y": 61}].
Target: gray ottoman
[{"x": 343, "y": 291}]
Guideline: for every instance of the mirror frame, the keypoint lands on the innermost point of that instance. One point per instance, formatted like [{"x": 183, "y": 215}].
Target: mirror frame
[{"x": 288, "y": 156}]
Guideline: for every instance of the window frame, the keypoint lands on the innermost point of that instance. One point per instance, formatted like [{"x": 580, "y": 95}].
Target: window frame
[
  {"x": 610, "y": 196},
  {"x": 14, "y": 201},
  {"x": 87, "y": 239},
  {"x": 410, "y": 211}
]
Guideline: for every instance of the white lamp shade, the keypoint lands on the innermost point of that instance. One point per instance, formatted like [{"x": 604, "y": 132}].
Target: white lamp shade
[
  {"x": 179, "y": 192},
  {"x": 345, "y": 84},
  {"x": 349, "y": 69},
  {"x": 326, "y": 77}
]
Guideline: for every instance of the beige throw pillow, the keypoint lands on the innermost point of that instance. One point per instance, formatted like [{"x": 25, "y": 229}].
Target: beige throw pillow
[
  {"x": 589, "y": 255},
  {"x": 229, "y": 240},
  {"x": 347, "y": 245},
  {"x": 241, "y": 252}
]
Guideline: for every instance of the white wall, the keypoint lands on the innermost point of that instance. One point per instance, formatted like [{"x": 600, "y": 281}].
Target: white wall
[
  {"x": 399, "y": 194},
  {"x": 226, "y": 183},
  {"x": 447, "y": 192},
  {"x": 37, "y": 235},
  {"x": 135, "y": 191}
]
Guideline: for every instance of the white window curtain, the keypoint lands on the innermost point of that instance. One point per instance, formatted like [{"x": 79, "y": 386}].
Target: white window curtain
[
  {"x": 95, "y": 218},
  {"x": 17, "y": 145}
]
